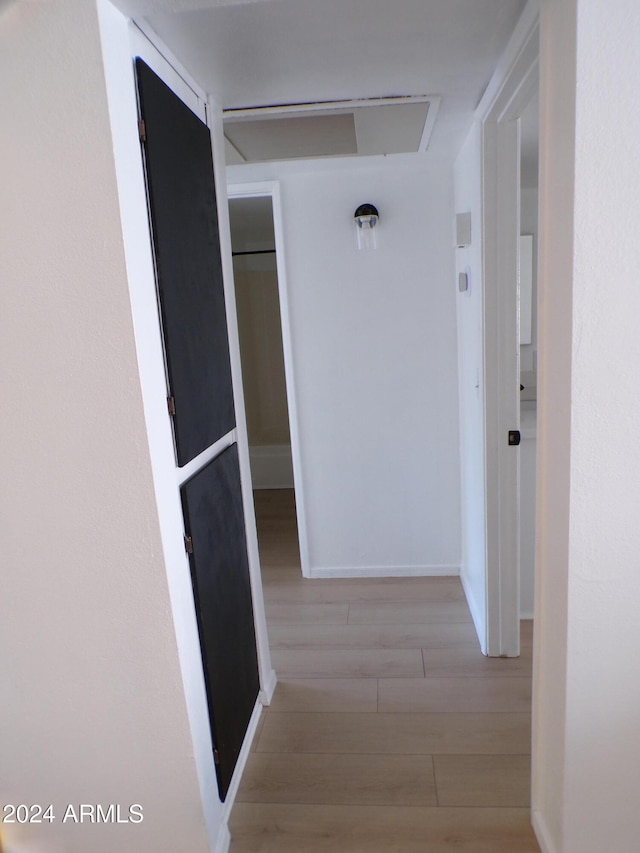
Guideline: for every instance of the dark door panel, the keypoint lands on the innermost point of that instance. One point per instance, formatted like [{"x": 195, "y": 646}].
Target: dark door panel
[
  {"x": 214, "y": 519},
  {"x": 184, "y": 223}
]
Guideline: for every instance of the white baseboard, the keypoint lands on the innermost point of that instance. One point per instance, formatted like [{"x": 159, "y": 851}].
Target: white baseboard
[
  {"x": 241, "y": 762},
  {"x": 384, "y": 571},
  {"x": 271, "y": 466},
  {"x": 542, "y": 833},
  {"x": 476, "y": 614},
  {"x": 526, "y": 614},
  {"x": 266, "y": 694}
]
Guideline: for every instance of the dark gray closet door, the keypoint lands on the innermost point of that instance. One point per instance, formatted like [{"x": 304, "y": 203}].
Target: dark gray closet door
[
  {"x": 184, "y": 222},
  {"x": 214, "y": 521}
]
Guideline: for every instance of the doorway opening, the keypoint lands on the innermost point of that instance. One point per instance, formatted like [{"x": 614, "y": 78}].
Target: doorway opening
[
  {"x": 501, "y": 113},
  {"x": 263, "y": 332},
  {"x": 528, "y": 328}
]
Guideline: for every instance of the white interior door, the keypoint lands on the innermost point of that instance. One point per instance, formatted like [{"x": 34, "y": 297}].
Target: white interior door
[{"x": 501, "y": 221}]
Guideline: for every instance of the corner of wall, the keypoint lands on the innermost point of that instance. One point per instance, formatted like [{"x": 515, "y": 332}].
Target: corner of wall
[{"x": 542, "y": 833}]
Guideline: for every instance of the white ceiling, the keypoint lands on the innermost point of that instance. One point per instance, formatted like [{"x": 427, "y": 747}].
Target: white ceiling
[{"x": 266, "y": 52}]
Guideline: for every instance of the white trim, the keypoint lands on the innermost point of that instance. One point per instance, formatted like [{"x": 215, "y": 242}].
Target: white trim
[
  {"x": 508, "y": 93},
  {"x": 542, "y": 833},
  {"x": 223, "y": 842},
  {"x": 432, "y": 115},
  {"x": 501, "y": 143},
  {"x": 266, "y": 694},
  {"x": 272, "y": 188},
  {"x": 479, "y": 618},
  {"x": 434, "y": 571},
  {"x": 255, "y": 575},
  {"x": 187, "y": 471},
  {"x": 527, "y": 25},
  {"x": 245, "y": 752},
  {"x": 149, "y": 47}
]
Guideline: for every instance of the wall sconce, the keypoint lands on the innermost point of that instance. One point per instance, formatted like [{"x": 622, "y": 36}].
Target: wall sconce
[{"x": 366, "y": 218}]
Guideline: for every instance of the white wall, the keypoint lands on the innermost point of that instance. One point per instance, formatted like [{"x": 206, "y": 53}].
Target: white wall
[
  {"x": 527, "y": 512},
  {"x": 468, "y": 199},
  {"x": 586, "y": 758},
  {"x": 93, "y": 707},
  {"x": 256, "y": 284},
  {"x": 528, "y": 364},
  {"x": 263, "y": 372},
  {"x": 374, "y": 353},
  {"x": 529, "y": 225}
]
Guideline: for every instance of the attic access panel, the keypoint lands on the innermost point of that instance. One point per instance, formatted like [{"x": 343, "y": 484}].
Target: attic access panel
[
  {"x": 214, "y": 519},
  {"x": 184, "y": 224},
  {"x": 368, "y": 126}
]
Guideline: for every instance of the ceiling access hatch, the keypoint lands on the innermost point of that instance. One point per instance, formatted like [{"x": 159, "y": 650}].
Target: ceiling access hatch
[{"x": 394, "y": 125}]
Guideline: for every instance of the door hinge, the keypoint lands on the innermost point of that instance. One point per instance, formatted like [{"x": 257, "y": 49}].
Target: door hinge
[
  {"x": 216, "y": 757},
  {"x": 188, "y": 544},
  {"x": 171, "y": 405},
  {"x": 514, "y": 437},
  {"x": 142, "y": 130}
]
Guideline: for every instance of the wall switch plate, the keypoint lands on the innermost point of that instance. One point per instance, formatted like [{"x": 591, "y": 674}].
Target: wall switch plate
[{"x": 463, "y": 230}]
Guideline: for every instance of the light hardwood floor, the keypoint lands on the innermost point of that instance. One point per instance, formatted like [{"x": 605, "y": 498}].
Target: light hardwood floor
[{"x": 388, "y": 731}]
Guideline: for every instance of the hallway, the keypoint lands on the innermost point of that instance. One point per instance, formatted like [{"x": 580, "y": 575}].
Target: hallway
[{"x": 388, "y": 731}]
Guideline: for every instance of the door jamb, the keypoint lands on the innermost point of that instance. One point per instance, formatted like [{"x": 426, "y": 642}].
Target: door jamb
[
  {"x": 499, "y": 113},
  {"x": 262, "y": 189}
]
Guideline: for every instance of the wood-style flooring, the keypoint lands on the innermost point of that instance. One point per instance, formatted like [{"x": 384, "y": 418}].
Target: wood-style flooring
[{"x": 389, "y": 731}]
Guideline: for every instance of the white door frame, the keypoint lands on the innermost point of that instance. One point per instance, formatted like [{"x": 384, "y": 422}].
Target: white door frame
[
  {"x": 271, "y": 189},
  {"x": 500, "y": 111}
]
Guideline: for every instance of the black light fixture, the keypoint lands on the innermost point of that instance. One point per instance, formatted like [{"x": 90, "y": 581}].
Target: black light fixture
[{"x": 366, "y": 218}]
